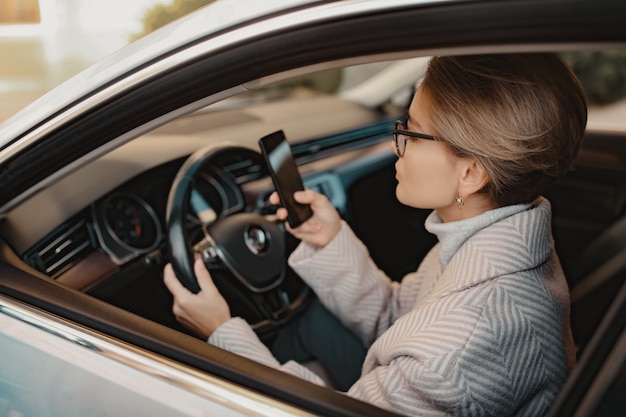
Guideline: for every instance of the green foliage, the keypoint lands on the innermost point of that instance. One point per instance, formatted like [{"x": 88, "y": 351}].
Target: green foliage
[
  {"x": 161, "y": 14},
  {"x": 602, "y": 74}
]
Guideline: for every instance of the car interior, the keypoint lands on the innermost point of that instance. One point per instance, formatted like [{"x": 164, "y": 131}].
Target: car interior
[{"x": 107, "y": 229}]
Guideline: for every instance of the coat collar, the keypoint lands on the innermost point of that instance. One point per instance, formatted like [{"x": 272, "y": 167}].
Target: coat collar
[{"x": 499, "y": 242}]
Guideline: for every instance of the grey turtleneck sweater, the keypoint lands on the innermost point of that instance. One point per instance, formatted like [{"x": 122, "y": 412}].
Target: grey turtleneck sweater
[{"x": 480, "y": 329}]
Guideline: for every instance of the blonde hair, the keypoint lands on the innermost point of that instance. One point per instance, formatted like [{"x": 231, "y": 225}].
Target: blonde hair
[{"x": 521, "y": 116}]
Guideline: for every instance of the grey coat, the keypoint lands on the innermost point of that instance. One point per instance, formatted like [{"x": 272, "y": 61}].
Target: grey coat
[{"x": 481, "y": 329}]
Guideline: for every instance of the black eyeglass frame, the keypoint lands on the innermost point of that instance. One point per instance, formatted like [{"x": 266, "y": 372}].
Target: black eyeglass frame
[{"x": 400, "y": 130}]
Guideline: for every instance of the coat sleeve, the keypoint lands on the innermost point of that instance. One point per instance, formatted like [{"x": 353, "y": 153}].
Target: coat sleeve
[
  {"x": 390, "y": 387},
  {"x": 348, "y": 283},
  {"x": 237, "y": 336},
  {"x": 477, "y": 352}
]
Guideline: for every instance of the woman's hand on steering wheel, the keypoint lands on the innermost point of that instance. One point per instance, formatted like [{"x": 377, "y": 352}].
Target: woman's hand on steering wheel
[
  {"x": 203, "y": 312},
  {"x": 320, "y": 229}
]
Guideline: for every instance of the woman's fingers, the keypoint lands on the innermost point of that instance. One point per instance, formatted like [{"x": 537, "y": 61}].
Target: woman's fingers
[
  {"x": 320, "y": 229},
  {"x": 274, "y": 198},
  {"x": 203, "y": 312},
  {"x": 172, "y": 283},
  {"x": 205, "y": 282}
]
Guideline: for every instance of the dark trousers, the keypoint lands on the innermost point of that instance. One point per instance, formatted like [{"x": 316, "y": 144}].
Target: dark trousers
[{"x": 317, "y": 335}]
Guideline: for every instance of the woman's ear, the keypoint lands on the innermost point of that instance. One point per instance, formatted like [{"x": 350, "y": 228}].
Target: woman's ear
[{"x": 473, "y": 178}]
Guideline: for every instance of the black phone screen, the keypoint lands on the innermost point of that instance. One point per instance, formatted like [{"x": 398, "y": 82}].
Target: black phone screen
[{"x": 285, "y": 176}]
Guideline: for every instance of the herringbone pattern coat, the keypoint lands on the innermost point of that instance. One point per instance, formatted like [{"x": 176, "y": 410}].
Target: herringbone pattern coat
[{"x": 481, "y": 329}]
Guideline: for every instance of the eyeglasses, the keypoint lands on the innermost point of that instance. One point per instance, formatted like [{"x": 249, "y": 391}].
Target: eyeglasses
[{"x": 401, "y": 135}]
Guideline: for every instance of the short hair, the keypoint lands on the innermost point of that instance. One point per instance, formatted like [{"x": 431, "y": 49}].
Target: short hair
[{"x": 521, "y": 116}]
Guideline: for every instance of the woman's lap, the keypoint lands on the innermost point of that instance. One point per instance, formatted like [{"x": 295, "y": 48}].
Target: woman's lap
[{"x": 317, "y": 335}]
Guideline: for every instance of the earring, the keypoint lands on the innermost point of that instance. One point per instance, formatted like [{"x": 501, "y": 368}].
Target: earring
[{"x": 459, "y": 201}]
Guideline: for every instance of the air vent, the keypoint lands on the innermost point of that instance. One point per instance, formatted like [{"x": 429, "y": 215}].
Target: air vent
[
  {"x": 61, "y": 249},
  {"x": 244, "y": 171}
]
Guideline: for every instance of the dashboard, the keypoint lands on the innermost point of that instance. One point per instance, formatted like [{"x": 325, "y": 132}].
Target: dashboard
[
  {"x": 128, "y": 224},
  {"x": 115, "y": 248}
]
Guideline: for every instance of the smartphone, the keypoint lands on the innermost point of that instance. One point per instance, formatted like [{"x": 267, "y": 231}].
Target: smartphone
[{"x": 285, "y": 175}]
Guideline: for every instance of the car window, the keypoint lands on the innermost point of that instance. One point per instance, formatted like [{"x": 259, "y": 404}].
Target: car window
[
  {"x": 603, "y": 76},
  {"x": 388, "y": 86},
  {"x": 373, "y": 85}
]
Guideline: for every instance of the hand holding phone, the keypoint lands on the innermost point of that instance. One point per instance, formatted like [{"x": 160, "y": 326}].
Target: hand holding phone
[{"x": 285, "y": 176}]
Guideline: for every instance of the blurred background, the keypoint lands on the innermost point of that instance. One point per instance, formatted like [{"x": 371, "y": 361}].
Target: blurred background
[{"x": 45, "y": 42}]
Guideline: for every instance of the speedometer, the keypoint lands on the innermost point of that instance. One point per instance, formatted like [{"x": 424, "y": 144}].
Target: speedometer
[
  {"x": 131, "y": 221},
  {"x": 127, "y": 226}
]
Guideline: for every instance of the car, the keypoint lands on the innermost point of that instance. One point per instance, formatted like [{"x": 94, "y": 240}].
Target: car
[{"x": 122, "y": 169}]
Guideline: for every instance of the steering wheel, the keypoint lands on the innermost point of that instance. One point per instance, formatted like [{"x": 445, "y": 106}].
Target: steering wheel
[{"x": 244, "y": 252}]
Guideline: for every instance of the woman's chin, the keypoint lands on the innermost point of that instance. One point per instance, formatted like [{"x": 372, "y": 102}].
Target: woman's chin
[
  {"x": 411, "y": 202},
  {"x": 401, "y": 196}
]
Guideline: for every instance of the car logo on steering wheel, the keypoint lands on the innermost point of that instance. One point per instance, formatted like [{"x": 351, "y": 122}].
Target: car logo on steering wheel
[{"x": 256, "y": 240}]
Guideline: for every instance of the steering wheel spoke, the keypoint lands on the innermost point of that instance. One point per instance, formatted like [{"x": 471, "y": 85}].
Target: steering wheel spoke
[{"x": 251, "y": 247}]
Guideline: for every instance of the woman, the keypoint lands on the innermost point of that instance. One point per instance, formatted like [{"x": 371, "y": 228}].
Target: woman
[{"x": 482, "y": 327}]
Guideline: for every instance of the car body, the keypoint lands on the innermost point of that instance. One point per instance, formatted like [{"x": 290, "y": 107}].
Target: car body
[{"x": 85, "y": 322}]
